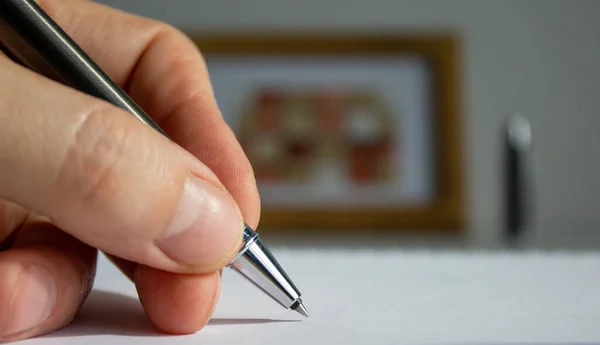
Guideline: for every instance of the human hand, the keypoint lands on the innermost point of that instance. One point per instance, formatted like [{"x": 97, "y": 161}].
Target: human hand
[{"x": 78, "y": 174}]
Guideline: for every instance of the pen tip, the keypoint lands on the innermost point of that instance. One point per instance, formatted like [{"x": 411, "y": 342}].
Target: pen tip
[{"x": 302, "y": 310}]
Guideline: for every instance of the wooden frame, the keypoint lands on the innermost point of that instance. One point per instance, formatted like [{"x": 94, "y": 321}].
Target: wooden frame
[{"x": 446, "y": 214}]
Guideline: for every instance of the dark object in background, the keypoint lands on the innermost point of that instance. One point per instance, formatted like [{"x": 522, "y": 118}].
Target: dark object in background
[{"x": 518, "y": 178}]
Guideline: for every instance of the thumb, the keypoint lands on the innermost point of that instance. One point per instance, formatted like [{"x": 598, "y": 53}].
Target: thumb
[{"x": 109, "y": 180}]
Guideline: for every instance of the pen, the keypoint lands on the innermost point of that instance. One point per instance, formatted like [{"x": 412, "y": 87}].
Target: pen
[
  {"x": 30, "y": 37},
  {"x": 518, "y": 177}
]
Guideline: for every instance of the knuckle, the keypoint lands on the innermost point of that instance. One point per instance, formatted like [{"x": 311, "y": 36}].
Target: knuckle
[
  {"x": 184, "y": 51},
  {"x": 164, "y": 28},
  {"x": 156, "y": 28},
  {"x": 98, "y": 149}
]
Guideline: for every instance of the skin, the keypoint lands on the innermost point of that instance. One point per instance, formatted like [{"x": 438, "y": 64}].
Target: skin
[{"x": 78, "y": 175}]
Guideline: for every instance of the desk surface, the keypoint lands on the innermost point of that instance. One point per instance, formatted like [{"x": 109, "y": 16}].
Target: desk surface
[{"x": 386, "y": 297}]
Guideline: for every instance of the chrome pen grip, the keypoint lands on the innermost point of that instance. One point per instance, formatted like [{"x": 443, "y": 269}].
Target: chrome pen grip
[{"x": 256, "y": 263}]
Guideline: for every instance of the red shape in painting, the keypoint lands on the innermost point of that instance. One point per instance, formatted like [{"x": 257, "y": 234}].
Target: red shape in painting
[{"x": 268, "y": 116}]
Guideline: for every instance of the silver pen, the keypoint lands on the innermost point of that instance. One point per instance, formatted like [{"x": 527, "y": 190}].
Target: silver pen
[{"x": 30, "y": 37}]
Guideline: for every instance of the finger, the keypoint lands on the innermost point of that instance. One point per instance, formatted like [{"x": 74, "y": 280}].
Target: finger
[
  {"x": 44, "y": 279},
  {"x": 181, "y": 103},
  {"x": 174, "y": 303},
  {"x": 164, "y": 72},
  {"x": 124, "y": 188},
  {"x": 178, "y": 304},
  {"x": 188, "y": 112},
  {"x": 185, "y": 108}
]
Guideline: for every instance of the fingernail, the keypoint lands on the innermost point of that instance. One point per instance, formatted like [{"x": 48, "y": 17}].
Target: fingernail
[
  {"x": 207, "y": 226},
  {"x": 33, "y": 301}
]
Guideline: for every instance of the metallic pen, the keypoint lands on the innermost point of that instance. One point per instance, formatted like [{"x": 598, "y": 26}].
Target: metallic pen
[{"x": 31, "y": 38}]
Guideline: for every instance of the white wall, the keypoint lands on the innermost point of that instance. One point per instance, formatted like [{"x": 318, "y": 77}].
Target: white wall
[{"x": 536, "y": 57}]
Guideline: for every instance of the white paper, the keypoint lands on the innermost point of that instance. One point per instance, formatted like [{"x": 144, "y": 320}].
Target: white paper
[{"x": 388, "y": 297}]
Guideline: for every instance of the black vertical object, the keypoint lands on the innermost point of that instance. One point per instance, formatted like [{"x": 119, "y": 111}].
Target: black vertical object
[{"x": 518, "y": 178}]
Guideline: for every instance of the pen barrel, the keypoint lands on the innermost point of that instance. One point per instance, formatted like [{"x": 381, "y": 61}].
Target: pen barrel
[
  {"x": 256, "y": 263},
  {"x": 32, "y": 38}
]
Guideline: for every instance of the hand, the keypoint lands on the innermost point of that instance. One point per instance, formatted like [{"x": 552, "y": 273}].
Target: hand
[{"x": 79, "y": 175}]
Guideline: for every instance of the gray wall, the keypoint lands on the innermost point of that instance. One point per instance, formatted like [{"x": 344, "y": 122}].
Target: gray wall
[{"x": 539, "y": 58}]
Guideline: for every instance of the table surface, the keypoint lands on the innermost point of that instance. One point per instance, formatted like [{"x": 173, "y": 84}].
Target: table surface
[{"x": 385, "y": 296}]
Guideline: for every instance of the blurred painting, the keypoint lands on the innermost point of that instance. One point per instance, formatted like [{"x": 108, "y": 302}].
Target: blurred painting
[
  {"x": 345, "y": 131},
  {"x": 331, "y": 132},
  {"x": 313, "y": 136}
]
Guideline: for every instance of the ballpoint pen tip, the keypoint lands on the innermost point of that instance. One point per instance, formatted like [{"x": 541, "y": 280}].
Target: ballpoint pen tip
[{"x": 302, "y": 310}]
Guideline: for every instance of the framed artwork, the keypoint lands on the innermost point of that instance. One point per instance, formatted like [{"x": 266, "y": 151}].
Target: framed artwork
[{"x": 346, "y": 132}]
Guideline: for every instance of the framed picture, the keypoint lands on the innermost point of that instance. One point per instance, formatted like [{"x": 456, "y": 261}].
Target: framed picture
[{"x": 346, "y": 132}]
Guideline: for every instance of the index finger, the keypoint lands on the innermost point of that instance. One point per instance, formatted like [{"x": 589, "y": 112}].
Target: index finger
[{"x": 165, "y": 74}]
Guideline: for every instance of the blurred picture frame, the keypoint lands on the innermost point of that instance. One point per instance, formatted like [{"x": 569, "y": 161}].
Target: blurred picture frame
[{"x": 346, "y": 132}]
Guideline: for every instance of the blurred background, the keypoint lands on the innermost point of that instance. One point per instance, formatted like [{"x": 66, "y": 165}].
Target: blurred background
[{"x": 538, "y": 59}]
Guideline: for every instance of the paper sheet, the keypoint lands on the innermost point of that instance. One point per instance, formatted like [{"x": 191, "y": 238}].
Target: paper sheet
[{"x": 361, "y": 297}]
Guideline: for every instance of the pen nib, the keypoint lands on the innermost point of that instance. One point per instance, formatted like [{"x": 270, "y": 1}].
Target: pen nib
[{"x": 302, "y": 310}]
